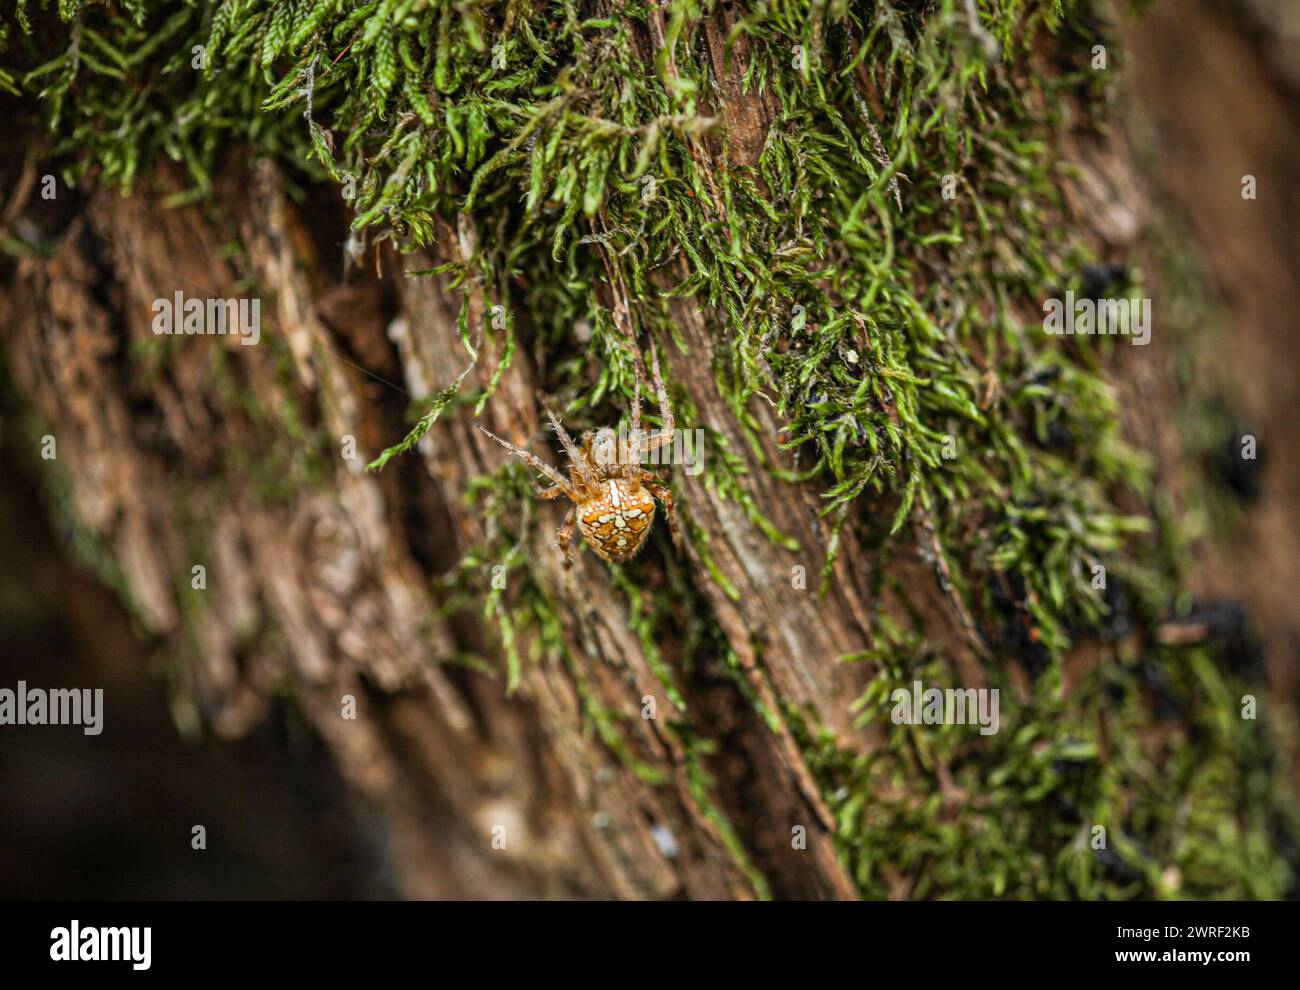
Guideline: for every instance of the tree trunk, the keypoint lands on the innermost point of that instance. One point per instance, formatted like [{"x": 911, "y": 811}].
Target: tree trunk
[{"x": 500, "y": 724}]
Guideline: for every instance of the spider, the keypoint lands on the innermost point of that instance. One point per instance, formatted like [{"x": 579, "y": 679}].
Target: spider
[{"x": 613, "y": 498}]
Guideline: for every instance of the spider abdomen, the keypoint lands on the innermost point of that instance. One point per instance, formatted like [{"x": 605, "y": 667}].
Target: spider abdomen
[{"x": 617, "y": 522}]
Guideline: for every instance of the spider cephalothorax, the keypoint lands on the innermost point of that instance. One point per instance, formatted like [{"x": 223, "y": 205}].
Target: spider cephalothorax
[{"x": 613, "y": 498}]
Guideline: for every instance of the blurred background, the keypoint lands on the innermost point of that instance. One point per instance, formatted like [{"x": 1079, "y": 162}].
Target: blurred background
[{"x": 98, "y": 817}]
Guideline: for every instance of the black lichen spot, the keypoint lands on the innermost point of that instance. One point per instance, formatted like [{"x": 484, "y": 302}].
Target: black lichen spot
[
  {"x": 1227, "y": 628},
  {"x": 1099, "y": 279},
  {"x": 1119, "y": 617},
  {"x": 1016, "y": 635},
  {"x": 1168, "y": 707},
  {"x": 1116, "y": 868},
  {"x": 1230, "y": 464}
]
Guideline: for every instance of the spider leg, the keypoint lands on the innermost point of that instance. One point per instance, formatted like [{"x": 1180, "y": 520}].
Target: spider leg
[
  {"x": 664, "y": 494},
  {"x": 634, "y": 434},
  {"x": 665, "y": 435},
  {"x": 555, "y": 491},
  {"x": 566, "y": 441},
  {"x": 578, "y": 481},
  {"x": 533, "y": 461},
  {"x": 564, "y": 535}
]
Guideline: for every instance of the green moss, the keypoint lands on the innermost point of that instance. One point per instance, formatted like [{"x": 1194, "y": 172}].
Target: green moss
[{"x": 960, "y": 815}]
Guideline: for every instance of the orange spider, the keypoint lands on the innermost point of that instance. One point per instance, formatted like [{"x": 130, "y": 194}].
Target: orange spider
[{"x": 613, "y": 498}]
